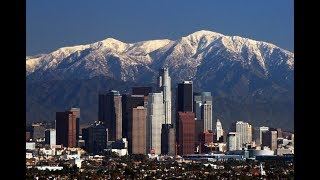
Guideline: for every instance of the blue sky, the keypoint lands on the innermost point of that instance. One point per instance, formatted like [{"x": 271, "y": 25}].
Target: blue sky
[{"x": 58, "y": 23}]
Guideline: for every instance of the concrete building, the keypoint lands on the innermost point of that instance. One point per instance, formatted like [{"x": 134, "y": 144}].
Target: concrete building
[
  {"x": 168, "y": 139},
  {"x": 66, "y": 128},
  {"x": 128, "y": 103},
  {"x": 31, "y": 145},
  {"x": 232, "y": 144},
  {"x": 95, "y": 137},
  {"x": 139, "y": 131},
  {"x": 155, "y": 119},
  {"x": 218, "y": 130},
  {"x": 269, "y": 138},
  {"x": 164, "y": 85},
  {"x": 38, "y": 131},
  {"x": 257, "y": 134},
  {"x": 50, "y": 137},
  {"x": 186, "y": 133},
  {"x": 243, "y": 130},
  {"x": 77, "y": 111},
  {"x": 110, "y": 112},
  {"x": 202, "y": 107}
]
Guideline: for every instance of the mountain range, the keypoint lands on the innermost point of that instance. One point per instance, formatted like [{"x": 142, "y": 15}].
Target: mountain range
[{"x": 250, "y": 80}]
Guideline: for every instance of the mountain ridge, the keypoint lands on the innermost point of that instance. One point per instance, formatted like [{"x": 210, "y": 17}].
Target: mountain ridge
[{"x": 230, "y": 67}]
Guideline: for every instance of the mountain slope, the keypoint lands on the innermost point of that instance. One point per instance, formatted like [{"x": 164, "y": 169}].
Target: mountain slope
[{"x": 236, "y": 70}]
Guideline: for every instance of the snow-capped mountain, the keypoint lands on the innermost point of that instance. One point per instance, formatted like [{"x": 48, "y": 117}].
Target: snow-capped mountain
[{"x": 229, "y": 66}]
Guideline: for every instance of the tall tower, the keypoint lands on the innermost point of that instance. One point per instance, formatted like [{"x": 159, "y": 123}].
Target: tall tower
[
  {"x": 218, "y": 130},
  {"x": 202, "y": 108},
  {"x": 186, "y": 133},
  {"x": 185, "y": 100},
  {"x": 77, "y": 111},
  {"x": 139, "y": 139},
  {"x": 66, "y": 128},
  {"x": 244, "y": 132},
  {"x": 110, "y": 112},
  {"x": 155, "y": 119},
  {"x": 164, "y": 85}
]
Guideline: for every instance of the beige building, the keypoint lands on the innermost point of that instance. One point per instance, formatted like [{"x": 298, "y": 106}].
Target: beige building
[{"x": 139, "y": 134}]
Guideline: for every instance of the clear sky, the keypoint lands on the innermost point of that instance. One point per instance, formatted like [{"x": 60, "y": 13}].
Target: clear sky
[{"x": 52, "y": 24}]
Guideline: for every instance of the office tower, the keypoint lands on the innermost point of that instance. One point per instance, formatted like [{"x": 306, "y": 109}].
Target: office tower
[
  {"x": 206, "y": 114},
  {"x": 168, "y": 139},
  {"x": 186, "y": 133},
  {"x": 95, "y": 137},
  {"x": 141, "y": 90},
  {"x": 269, "y": 138},
  {"x": 207, "y": 137},
  {"x": 279, "y": 132},
  {"x": 139, "y": 134},
  {"x": 155, "y": 119},
  {"x": 184, "y": 102},
  {"x": 110, "y": 112},
  {"x": 50, "y": 137},
  {"x": 185, "y": 97},
  {"x": 218, "y": 130},
  {"x": 164, "y": 85},
  {"x": 66, "y": 128},
  {"x": 77, "y": 111},
  {"x": 128, "y": 103},
  {"x": 202, "y": 108},
  {"x": 242, "y": 129},
  {"x": 38, "y": 131},
  {"x": 232, "y": 141},
  {"x": 198, "y": 130},
  {"x": 257, "y": 134},
  {"x": 249, "y": 133}
]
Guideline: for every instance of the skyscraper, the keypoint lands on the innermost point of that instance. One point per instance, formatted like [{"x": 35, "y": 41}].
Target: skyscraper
[
  {"x": 110, "y": 112},
  {"x": 232, "y": 141},
  {"x": 50, "y": 137},
  {"x": 243, "y": 133},
  {"x": 141, "y": 90},
  {"x": 202, "y": 108},
  {"x": 218, "y": 130},
  {"x": 257, "y": 134},
  {"x": 38, "y": 131},
  {"x": 155, "y": 119},
  {"x": 66, "y": 128},
  {"x": 186, "y": 133},
  {"x": 164, "y": 85},
  {"x": 185, "y": 97},
  {"x": 269, "y": 138},
  {"x": 77, "y": 111},
  {"x": 95, "y": 137},
  {"x": 139, "y": 128}
]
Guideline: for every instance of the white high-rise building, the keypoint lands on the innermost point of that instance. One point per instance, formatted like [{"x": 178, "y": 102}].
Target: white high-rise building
[
  {"x": 203, "y": 109},
  {"x": 155, "y": 119},
  {"x": 206, "y": 111},
  {"x": 50, "y": 137},
  {"x": 232, "y": 141},
  {"x": 218, "y": 130},
  {"x": 243, "y": 129},
  {"x": 164, "y": 84},
  {"x": 258, "y": 134}
]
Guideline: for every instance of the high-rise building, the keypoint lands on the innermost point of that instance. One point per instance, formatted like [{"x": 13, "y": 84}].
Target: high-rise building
[
  {"x": 128, "y": 103},
  {"x": 77, "y": 111},
  {"x": 95, "y": 137},
  {"x": 243, "y": 133},
  {"x": 155, "y": 119},
  {"x": 279, "y": 132},
  {"x": 269, "y": 138},
  {"x": 198, "y": 131},
  {"x": 167, "y": 139},
  {"x": 218, "y": 130},
  {"x": 164, "y": 85},
  {"x": 66, "y": 128},
  {"x": 186, "y": 133},
  {"x": 110, "y": 112},
  {"x": 141, "y": 90},
  {"x": 202, "y": 107},
  {"x": 185, "y": 97},
  {"x": 139, "y": 135},
  {"x": 50, "y": 137},
  {"x": 257, "y": 134},
  {"x": 232, "y": 141},
  {"x": 38, "y": 131}
]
